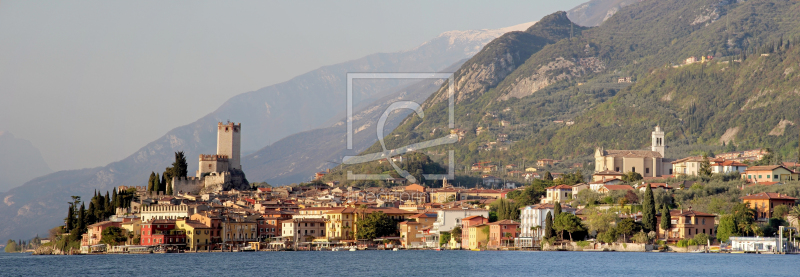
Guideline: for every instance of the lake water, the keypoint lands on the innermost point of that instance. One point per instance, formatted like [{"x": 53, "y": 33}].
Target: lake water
[{"x": 404, "y": 263}]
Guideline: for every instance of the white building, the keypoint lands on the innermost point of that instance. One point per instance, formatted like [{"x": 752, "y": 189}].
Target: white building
[
  {"x": 447, "y": 219},
  {"x": 532, "y": 221},
  {"x": 727, "y": 166},
  {"x": 753, "y": 244},
  {"x": 152, "y": 212}
]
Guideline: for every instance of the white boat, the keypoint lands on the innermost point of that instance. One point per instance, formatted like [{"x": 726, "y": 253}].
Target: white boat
[
  {"x": 394, "y": 249},
  {"x": 352, "y": 249}
]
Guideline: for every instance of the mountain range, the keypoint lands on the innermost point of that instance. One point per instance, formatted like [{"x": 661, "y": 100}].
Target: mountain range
[{"x": 563, "y": 99}]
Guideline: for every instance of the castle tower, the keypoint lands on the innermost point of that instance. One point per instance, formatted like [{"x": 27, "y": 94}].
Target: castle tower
[
  {"x": 658, "y": 143},
  {"x": 229, "y": 143}
]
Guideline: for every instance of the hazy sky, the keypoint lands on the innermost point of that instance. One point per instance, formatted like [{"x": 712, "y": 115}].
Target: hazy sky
[{"x": 90, "y": 82}]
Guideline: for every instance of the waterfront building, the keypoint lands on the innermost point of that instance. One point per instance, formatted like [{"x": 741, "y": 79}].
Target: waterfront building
[
  {"x": 685, "y": 224},
  {"x": 765, "y": 202}
]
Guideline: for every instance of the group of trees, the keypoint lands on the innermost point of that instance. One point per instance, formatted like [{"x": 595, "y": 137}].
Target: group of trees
[
  {"x": 375, "y": 225},
  {"x": 22, "y": 245},
  {"x": 79, "y": 217},
  {"x": 559, "y": 222},
  {"x": 178, "y": 169}
]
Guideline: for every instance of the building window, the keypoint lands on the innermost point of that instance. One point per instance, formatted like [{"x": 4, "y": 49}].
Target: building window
[
  {"x": 616, "y": 169},
  {"x": 633, "y": 169},
  {"x": 647, "y": 170}
]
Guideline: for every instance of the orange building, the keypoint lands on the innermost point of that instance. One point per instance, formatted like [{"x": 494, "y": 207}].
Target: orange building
[
  {"x": 503, "y": 232},
  {"x": 765, "y": 202},
  {"x": 686, "y": 224},
  {"x": 411, "y": 230}
]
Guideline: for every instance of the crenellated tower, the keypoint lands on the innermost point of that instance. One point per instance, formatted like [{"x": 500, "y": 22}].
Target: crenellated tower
[{"x": 229, "y": 143}]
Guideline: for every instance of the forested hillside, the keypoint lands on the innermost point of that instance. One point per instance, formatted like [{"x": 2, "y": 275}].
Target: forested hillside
[{"x": 575, "y": 80}]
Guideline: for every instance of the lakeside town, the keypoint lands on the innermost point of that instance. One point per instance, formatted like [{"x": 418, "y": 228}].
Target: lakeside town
[{"x": 627, "y": 205}]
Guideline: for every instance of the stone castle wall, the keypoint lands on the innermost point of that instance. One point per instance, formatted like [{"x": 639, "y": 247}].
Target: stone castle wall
[{"x": 191, "y": 185}]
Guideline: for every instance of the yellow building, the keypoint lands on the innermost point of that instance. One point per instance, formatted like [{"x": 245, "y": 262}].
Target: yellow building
[
  {"x": 341, "y": 222},
  {"x": 238, "y": 232},
  {"x": 478, "y": 236},
  {"x": 198, "y": 235},
  {"x": 133, "y": 227},
  {"x": 560, "y": 193},
  {"x": 444, "y": 195},
  {"x": 411, "y": 230}
]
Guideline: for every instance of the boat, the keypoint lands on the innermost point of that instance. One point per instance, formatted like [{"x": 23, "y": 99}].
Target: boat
[
  {"x": 437, "y": 249},
  {"x": 394, "y": 249},
  {"x": 353, "y": 249}
]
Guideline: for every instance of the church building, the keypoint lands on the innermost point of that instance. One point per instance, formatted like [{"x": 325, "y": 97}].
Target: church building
[{"x": 648, "y": 163}]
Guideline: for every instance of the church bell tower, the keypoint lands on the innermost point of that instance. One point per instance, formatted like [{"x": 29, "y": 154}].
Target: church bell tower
[{"x": 658, "y": 141}]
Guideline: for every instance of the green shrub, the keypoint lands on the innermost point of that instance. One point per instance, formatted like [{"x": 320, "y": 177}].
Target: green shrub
[
  {"x": 682, "y": 243},
  {"x": 583, "y": 243}
]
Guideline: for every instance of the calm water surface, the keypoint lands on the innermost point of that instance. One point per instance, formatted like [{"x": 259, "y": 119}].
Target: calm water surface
[{"x": 404, "y": 263}]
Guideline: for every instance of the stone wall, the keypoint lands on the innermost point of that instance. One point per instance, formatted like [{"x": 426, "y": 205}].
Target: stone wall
[
  {"x": 191, "y": 185},
  {"x": 619, "y": 247}
]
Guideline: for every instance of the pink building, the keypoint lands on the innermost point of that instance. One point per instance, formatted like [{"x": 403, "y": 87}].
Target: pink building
[{"x": 465, "y": 223}]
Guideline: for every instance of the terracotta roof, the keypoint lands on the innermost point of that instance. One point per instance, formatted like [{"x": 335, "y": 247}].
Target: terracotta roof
[
  {"x": 603, "y": 182},
  {"x": 729, "y": 163},
  {"x": 560, "y": 187},
  {"x": 549, "y": 206},
  {"x": 765, "y": 167},
  {"x": 632, "y": 153},
  {"x": 196, "y": 225},
  {"x": 471, "y": 217},
  {"x": 504, "y": 222},
  {"x": 767, "y": 195},
  {"x": 689, "y": 159},
  {"x": 618, "y": 187},
  {"x": 424, "y": 215},
  {"x": 688, "y": 213},
  {"x": 659, "y": 185}
]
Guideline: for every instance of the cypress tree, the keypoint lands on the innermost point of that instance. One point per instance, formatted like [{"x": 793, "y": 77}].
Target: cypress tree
[
  {"x": 100, "y": 208},
  {"x": 169, "y": 188},
  {"x": 547, "y": 176},
  {"x": 164, "y": 180},
  {"x": 179, "y": 167},
  {"x": 90, "y": 214},
  {"x": 70, "y": 218},
  {"x": 82, "y": 219},
  {"x": 160, "y": 184},
  {"x": 114, "y": 202},
  {"x": 150, "y": 182},
  {"x": 548, "y": 226},
  {"x": 666, "y": 220},
  {"x": 649, "y": 210},
  {"x": 109, "y": 209},
  {"x": 556, "y": 209}
]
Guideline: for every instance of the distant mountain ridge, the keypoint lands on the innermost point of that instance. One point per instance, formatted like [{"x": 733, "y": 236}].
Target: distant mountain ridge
[
  {"x": 267, "y": 115},
  {"x": 595, "y": 12},
  {"x": 20, "y": 161}
]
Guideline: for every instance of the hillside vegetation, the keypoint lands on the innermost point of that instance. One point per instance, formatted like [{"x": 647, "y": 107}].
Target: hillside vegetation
[{"x": 575, "y": 80}]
